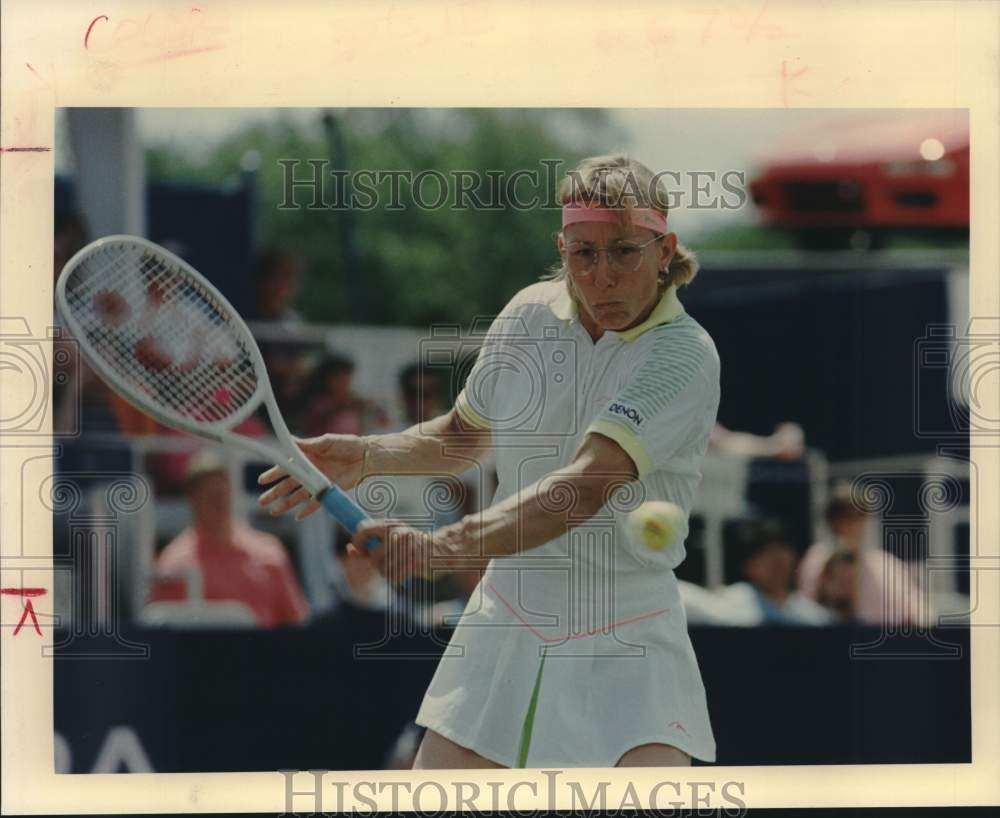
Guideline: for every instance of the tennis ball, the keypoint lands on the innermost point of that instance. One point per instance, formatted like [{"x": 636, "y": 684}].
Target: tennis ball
[{"x": 658, "y": 524}]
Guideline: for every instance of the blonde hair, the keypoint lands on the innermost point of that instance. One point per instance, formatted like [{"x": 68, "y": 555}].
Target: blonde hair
[{"x": 620, "y": 183}]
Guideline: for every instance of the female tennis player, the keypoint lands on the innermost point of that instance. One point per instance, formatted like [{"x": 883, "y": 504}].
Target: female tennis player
[{"x": 595, "y": 391}]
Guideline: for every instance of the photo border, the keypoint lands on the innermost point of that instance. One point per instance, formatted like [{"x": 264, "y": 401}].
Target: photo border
[{"x": 456, "y": 54}]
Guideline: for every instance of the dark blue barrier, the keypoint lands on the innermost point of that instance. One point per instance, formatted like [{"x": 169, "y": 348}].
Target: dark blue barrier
[
  {"x": 835, "y": 351},
  {"x": 253, "y": 701},
  {"x": 211, "y": 227}
]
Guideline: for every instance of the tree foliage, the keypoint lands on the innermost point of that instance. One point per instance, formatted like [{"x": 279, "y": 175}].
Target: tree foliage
[{"x": 415, "y": 265}]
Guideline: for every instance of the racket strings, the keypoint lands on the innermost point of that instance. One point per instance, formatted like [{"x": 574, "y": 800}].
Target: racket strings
[{"x": 162, "y": 332}]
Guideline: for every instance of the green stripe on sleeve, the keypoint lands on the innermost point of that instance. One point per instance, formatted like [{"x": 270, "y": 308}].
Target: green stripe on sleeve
[{"x": 678, "y": 354}]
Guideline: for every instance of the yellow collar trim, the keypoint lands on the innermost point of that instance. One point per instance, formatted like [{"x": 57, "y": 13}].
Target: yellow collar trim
[{"x": 667, "y": 309}]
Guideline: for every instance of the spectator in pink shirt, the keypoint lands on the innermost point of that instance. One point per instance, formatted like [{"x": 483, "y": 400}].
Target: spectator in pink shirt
[
  {"x": 235, "y": 562},
  {"x": 874, "y": 587}
]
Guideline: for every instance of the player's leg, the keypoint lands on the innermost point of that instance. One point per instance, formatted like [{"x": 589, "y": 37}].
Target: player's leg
[
  {"x": 654, "y": 755},
  {"x": 438, "y": 753}
]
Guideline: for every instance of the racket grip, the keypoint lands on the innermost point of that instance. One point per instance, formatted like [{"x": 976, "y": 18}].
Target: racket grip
[{"x": 343, "y": 509}]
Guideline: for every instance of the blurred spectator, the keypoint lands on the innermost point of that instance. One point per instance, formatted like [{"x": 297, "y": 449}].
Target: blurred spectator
[
  {"x": 277, "y": 280},
  {"x": 289, "y": 359},
  {"x": 169, "y": 468},
  {"x": 422, "y": 392},
  {"x": 837, "y": 589},
  {"x": 786, "y": 442},
  {"x": 706, "y": 607},
  {"x": 767, "y": 596},
  {"x": 886, "y": 591},
  {"x": 331, "y": 405},
  {"x": 278, "y": 327},
  {"x": 233, "y": 561}
]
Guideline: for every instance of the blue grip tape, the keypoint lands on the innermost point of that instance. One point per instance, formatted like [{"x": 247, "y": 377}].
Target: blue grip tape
[{"x": 343, "y": 509}]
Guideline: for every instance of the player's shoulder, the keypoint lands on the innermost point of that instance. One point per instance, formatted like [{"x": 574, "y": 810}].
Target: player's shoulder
[
  {"x": 680, "y": 340},
  {"x": 684, "y": 329},
  {"x": 529, "y": 308},
  {"x": 541, "y": 297}
]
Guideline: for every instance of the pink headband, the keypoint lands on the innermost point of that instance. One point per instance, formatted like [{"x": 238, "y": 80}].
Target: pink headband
[{"x": 641, "y": 217}]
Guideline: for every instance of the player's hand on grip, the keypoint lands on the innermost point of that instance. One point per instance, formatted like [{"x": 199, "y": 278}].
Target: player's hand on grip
[
  {"x": 340, "y": 457},
  {"x": 402, "y": 552}
]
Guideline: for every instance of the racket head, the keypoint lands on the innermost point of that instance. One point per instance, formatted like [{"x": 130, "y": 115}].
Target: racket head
[{"x": 161, "y": 335}]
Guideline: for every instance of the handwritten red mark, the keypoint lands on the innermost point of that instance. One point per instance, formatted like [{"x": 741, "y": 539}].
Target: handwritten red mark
[
  {"x": 771, "y": 32},
  {"x": 753, "y": 26},
  {"x": 173, "y": 55},
  {"x": 23, "y": 591},
  {"x": 679, "y": 726},
  {"x": 90, "y": 28},
  {"x": 739, "y": 23},
  {"x": 786, "y": 79},
  {"x": 32, "y": 70},
  {"x": 24, "y": 150},
  {"x": 186, "y": 52},
  {"x": 591, "y": 632},
  {"x": 29, "y": 610}
]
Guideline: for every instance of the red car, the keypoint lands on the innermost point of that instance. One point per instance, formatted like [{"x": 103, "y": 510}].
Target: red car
[{"x": 852, "y": 182}]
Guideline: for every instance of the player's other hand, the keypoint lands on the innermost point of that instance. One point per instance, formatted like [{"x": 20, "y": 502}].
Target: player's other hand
[
  {"x": 402, "y": 551},
  {"x": 339, "y": 457}
]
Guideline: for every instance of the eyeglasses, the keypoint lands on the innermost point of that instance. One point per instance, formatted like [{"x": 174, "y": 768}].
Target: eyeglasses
[{"x": 623, "y": 256}]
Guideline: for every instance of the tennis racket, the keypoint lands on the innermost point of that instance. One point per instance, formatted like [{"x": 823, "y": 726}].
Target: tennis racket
[{"x": 166, "y": 340}]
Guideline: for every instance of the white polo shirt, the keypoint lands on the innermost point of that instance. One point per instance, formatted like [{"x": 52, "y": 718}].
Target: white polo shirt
[
  {"x": 620, "y": 670},
  {"x": 541, "y": 384}
]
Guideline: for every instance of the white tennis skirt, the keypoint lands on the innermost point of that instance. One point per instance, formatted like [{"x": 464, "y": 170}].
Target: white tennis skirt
[{"x": 619, "y": 668}]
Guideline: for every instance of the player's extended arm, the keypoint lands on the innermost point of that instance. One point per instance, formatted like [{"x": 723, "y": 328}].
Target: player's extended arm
[
  {"x": 443, "y": 445},
  {"x": 547, "y": 508},
  {"x": 535, "y": 515}
]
